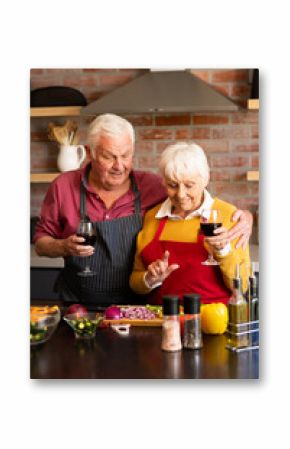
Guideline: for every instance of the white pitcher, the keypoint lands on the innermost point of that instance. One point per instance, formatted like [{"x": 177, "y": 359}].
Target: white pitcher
[{"x": 70, "y": 157}]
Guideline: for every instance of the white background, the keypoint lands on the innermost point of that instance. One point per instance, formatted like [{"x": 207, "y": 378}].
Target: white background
[{"x": 183, "y": 34}]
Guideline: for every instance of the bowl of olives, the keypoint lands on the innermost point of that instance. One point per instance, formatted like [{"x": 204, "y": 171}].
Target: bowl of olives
[{"x": 84, "y": 325}]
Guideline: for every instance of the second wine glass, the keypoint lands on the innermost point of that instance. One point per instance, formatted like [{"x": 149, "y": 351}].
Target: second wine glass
[
  {"x": 209, "y": 221},
  {"x": 87, "y": 230}
]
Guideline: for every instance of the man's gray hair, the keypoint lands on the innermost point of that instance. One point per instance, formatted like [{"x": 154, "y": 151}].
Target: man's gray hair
[
  {"x": 110, "y": 125},
  {"x": 184, "y": 159}
]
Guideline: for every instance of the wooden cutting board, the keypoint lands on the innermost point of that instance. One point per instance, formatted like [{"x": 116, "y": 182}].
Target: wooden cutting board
[{"x": 153, "y": 323}]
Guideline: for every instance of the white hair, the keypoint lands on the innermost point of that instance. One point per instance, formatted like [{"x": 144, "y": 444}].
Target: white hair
[
  {"x": 110, "y": 125},
  {"x": 184, "y": 159}
]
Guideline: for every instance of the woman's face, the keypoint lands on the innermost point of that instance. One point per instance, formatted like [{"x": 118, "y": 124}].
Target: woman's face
[{"x": 186, "y": 193}]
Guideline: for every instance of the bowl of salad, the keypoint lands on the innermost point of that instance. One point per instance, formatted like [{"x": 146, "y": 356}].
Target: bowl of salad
[
  {"x": 84, "y": 324},
  {"x": 43, "y": 323}
]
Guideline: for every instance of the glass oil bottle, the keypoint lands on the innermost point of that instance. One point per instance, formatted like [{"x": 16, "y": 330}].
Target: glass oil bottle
[
  {"x": 238, "y": 336},
  {"x": 253, "y": 295}
]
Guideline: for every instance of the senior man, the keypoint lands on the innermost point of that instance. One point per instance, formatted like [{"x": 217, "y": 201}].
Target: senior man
[{"x": 115, "y": 197}]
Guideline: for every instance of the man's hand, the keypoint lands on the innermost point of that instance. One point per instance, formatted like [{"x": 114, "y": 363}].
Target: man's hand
[
  {"x": 73, "y": 247},
  {"x": 242, "y": 229},
  {"x": 159, "y": 270}
]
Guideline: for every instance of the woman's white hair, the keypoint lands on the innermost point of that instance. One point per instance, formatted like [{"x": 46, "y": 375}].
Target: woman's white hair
[
  {"x": 184, "y": 160},
  {"x": 110, "y": 125}
]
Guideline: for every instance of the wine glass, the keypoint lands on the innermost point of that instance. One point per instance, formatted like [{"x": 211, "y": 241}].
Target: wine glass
[
  {"x": 87, "y": 230},
  {"x": 210, "y": 220}
]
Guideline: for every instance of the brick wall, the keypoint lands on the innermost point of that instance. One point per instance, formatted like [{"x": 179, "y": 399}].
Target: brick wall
[{"x": 231, "y": 140}]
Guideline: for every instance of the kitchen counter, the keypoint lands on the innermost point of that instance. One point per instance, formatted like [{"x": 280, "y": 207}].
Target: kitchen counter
[
  {"x": 44, "y": 262},
  {"x": 137, "y": 356}
]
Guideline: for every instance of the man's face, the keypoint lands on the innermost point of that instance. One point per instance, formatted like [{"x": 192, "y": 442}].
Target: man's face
[{"x": 113, "y": 161}]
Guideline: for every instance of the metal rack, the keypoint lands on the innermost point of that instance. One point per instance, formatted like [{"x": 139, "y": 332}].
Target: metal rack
[{"x": 243, "y": 336}]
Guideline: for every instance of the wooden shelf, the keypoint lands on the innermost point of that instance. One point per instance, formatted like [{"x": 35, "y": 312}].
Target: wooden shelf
[
  {"x": 253, "y": 103},
  {"x": 57, "y": 111},
  {"x": 43, "y": 177},
  {"x": 252, "y": 176}
]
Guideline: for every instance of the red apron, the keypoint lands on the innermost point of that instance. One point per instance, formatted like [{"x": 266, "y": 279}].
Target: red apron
[{"x": 191, "y": 276}]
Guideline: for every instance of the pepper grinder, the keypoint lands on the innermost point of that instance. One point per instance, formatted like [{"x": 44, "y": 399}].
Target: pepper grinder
[{"x": 192, "y": 338}]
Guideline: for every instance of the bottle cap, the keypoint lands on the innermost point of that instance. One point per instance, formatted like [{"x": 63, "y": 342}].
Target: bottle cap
[
  {"x": 170, "y": 305},
  {"x": 237, "y": 282},
  {"x": 191, "y": 303},
  {"x": 253, "y": 281}
]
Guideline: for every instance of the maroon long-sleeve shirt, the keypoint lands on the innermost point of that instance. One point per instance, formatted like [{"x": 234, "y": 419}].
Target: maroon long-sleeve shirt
[{"x": 60, "y": 212}]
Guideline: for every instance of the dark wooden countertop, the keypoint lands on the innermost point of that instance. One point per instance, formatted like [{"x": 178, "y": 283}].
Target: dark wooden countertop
[{"x": 136, "y": 356}]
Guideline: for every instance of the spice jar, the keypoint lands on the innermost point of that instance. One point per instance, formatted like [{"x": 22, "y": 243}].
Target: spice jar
[
  {"x": 171, "y": 340},
  {"x": 192, "y": 336}
]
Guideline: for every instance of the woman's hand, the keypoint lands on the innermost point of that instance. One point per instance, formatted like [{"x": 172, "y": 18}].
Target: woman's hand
[
  {"x": 218, "y": 242},
  {"x": 242, "y": 229},
  {"x": 73, "y": 247},
  {"x": 159, "y": 270}
]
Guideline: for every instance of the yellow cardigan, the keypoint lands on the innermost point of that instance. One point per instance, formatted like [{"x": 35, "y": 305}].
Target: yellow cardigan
[{"x": 187, "y": 231}]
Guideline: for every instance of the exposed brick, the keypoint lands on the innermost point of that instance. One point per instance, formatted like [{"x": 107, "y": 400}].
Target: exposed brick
[
  {"x": 160, "y": 146},
  {"x": 92, "y": 70},
  {"x": 89, "y": 80},
  {"x": 114, "y": 80},
  {"x": 34, "y": 72},
  {"x": 210, "y": 119},
  {"x": 254, "y": 189},
  {"x": 255, "y": 131},
  {"x": 230, "y": 75},
  {"x": 71, "y": 81},
  {"x": 200, "y": 133},
  {"x": 183, "y": 134},
  {"x": 155, "y": 133},
  {"x": 214, "y": 146},
  {"x": 144, "y": 147},
  {"x": 235, "y": 132},
  {"x": 147, "y": 162},
  {"x": 247, "y": 203},
  {"x": 240, "y": 90},
  {"x": 219, "y": 175},
  {"x": 229, "y": 161},
  {"x": 238, "y": 175},
  {"x": 140, "y": 120},
  {"x": 236, "y": 189},
  {"x": 39, "y": 82},
  {"x": 245, "y": 117},
  {"x": 243, "y": 147},
  {"x": 241, "y": 102},
  {"x": 170, "y": 120},
  {"x": 255, "y": 161}
]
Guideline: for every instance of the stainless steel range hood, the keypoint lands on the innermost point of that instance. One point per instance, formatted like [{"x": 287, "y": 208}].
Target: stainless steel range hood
[{"x": 162, "y": 92}]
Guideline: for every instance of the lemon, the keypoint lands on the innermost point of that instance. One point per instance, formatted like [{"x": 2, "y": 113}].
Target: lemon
[{"x": 214, "y": 318}]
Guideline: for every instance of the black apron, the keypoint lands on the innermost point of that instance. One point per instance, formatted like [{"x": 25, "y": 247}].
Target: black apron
[{"x": 112, "y": 261}]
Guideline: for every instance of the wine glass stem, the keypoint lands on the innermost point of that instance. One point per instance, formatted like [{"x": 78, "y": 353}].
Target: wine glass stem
[
  {"x": 210, "y": 257},
  {"x": 87, "y": 264}
]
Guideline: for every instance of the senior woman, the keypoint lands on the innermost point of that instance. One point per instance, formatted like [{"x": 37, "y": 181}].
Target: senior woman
[{"x": 170, "y": 247}]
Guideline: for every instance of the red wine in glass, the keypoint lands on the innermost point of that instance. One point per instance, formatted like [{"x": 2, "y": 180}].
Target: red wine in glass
[
  {"x": 210, "y": 220},
  {"x": 208, "y": 228},
  {"x": 86, "y": 229}
]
